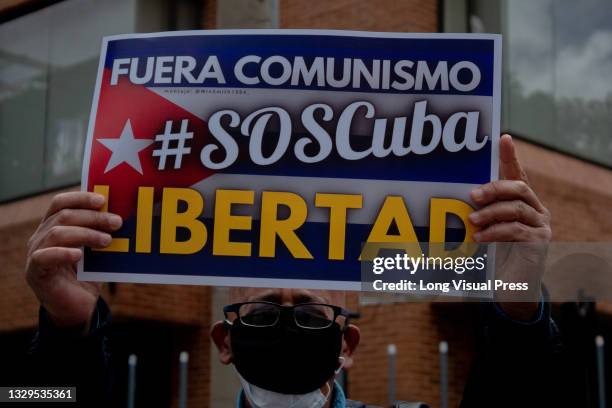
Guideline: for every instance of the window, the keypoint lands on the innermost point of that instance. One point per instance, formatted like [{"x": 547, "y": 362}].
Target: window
[
  {"x": 557, "y": 62},
  {"x": 48, "y": 67}
]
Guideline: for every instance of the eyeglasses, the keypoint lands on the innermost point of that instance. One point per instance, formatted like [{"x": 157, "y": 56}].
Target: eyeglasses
[{"x": 268, "y": 314}]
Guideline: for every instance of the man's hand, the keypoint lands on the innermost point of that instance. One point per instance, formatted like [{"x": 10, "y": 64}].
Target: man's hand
[
  {"x": 510, "y": 211},
  {"x": 73, "y": 220}
]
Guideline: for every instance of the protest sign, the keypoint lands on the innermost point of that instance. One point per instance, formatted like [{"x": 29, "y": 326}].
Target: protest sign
[{"x": 269, "y": 157}]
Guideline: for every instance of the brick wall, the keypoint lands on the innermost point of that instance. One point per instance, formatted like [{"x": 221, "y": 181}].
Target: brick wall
[
  {"x": 380, "y": 15},
  {"x": 578, "y": 194},
  {"x": 416, "y": 329},
  {"x": 18, "y": 306}
]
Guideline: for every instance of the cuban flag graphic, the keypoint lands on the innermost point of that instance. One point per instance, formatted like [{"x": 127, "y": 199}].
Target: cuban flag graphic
[{"x": 145, "y": 90}]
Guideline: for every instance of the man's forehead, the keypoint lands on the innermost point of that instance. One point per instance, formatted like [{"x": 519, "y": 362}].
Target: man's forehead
[{"x": 291, "y": 296}]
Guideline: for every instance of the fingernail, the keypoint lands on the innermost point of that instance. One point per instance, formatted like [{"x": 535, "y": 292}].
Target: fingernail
[
  {"x": 76, "y": 255},
  {"x": 474, "y": 217},
  {"x": 477, "y": 194},
  {"x": 115, "y": 221},
  {"x": 106, "y": 240},
  {"x": 476, "y": 236},
  {"x": 98, "y": 199}
]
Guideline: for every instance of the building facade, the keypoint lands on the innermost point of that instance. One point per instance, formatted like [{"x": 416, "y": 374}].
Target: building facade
[{"x": 44, "y": 58}]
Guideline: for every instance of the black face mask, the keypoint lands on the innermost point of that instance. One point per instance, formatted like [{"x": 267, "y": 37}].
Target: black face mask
[{"x": 286, "y": 359}]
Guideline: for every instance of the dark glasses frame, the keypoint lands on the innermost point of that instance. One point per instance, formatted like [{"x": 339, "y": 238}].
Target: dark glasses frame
[{"x": 282, "y": 309}]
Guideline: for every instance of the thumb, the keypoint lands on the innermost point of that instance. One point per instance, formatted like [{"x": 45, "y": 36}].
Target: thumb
[{"x": 509, "y": 165}]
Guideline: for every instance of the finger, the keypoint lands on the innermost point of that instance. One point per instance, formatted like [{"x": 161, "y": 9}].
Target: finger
[
  {"x": 512, "y": 232},
  {"x": 70, "y": 236},
  {"x": 54, "y": 256},
  {"x": 507, "y": 211},
  {"x": 103, "y": 221},
  {"x": 500, "y": 190},
  {"x": 509, "y": 166},
  {"x": 86, "y": 218},
  {"x": 75, "y": 199}
]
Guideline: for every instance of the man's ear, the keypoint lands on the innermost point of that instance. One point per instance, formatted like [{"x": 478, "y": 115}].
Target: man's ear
[
  {"x": 349, "y": 344},
  {"x": 220, "y": 336}
]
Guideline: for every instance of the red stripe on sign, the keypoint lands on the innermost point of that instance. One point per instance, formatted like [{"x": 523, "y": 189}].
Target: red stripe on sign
[{"x": 147, "y": 113}]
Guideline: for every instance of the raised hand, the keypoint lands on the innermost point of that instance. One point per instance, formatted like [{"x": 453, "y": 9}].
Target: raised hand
[
  {"x": 512, "y": 214},
  {"x": 72, "y": 221}
]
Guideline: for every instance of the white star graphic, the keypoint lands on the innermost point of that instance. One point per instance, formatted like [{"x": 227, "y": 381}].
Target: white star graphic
[{"x": 125, "y": 149}]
